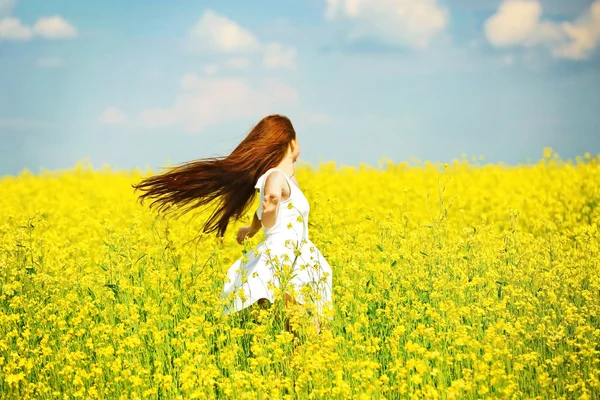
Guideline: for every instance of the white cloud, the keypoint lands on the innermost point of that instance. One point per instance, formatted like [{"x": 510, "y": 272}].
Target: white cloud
[
  {"x": 519, "y": 23},
  {"x": 54, "y": 28},
  {"x": 211, "y": 69},
  {"x": 237, "y": 63},
  {"x": 13, "y": 29},
  {"x": 47, "y": 27},
  {"x": 113, "y": 116},
  {"x": 218, "y": 34},
  {"x": 189, "y": 82},
  {"x": 214, "y": 32},
  {"x": 394, "y": 22},
  {"x": 515, "y": 22},
  {"x": 49, "y": 62},
  {"x": 232, "y": 63},
  {"x": 277, "y": 56},
  {"x": 584, "y": 35},
  {"x": 206, "y": 101}
]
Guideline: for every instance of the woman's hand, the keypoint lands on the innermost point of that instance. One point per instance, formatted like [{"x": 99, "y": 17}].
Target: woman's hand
[
  {"x": 270, "y": 203},
  {"x": 249, "y": 231},
  {"x": 269, "y": 210},
  {"x": 272, "y": 191},
  {"x": 243, "y": 232}
]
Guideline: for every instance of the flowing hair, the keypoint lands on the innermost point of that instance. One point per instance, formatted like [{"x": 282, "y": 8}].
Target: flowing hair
[{"x": 230, "y": 179}]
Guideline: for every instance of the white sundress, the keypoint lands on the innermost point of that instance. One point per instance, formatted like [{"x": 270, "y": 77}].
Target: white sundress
[{"x": 258, "y": 272}]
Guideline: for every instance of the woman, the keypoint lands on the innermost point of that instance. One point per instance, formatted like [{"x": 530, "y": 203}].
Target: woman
[{"x": 286, "y": 260}]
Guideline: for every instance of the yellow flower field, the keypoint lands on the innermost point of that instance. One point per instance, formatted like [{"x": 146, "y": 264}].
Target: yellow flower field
[{"x": 463, "y": 281}]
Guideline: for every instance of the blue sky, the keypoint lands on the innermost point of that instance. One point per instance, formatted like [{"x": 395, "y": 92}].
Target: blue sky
[{"x": 136, "y": 84}]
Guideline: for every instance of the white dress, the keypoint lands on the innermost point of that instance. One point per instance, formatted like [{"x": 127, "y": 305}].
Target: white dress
[{"x": 285, "y": 256}]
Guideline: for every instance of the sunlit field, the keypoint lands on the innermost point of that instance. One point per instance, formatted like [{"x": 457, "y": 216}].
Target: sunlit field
[{"x": 466, "y": 280}]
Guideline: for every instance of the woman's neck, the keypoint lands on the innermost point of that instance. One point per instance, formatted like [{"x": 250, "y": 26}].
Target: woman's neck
[{"x": 287, "y": 166}]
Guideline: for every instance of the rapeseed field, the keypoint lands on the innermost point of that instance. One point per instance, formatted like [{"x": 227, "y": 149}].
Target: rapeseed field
[{"x": 458, "y": 281}]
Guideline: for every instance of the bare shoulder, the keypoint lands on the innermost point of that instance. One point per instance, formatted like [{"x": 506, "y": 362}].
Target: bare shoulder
[{"x": 275, "y": 182}]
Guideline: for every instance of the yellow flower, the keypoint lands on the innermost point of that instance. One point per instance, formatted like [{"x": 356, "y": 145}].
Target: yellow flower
[{"x": 450, "y": 280}]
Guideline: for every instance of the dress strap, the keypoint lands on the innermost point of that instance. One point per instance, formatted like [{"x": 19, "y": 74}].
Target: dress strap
[
  {"x": 277, "y": 169},
  {"x": 261, "y": 181},
  {"x": 292, "y": 184}
]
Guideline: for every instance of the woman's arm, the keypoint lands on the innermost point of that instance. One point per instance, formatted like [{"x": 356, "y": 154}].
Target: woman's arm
[
  {"x": 272, "y": 195},
  {"x": 256, "y": 225},
  {"x": 249, "y": 231}
]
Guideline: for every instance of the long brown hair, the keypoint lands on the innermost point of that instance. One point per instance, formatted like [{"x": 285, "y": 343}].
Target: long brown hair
[{"x": 229, "y": 179}]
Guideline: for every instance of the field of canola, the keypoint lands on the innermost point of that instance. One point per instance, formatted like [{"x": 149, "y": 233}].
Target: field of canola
[{"x": 450, "y": 281}]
